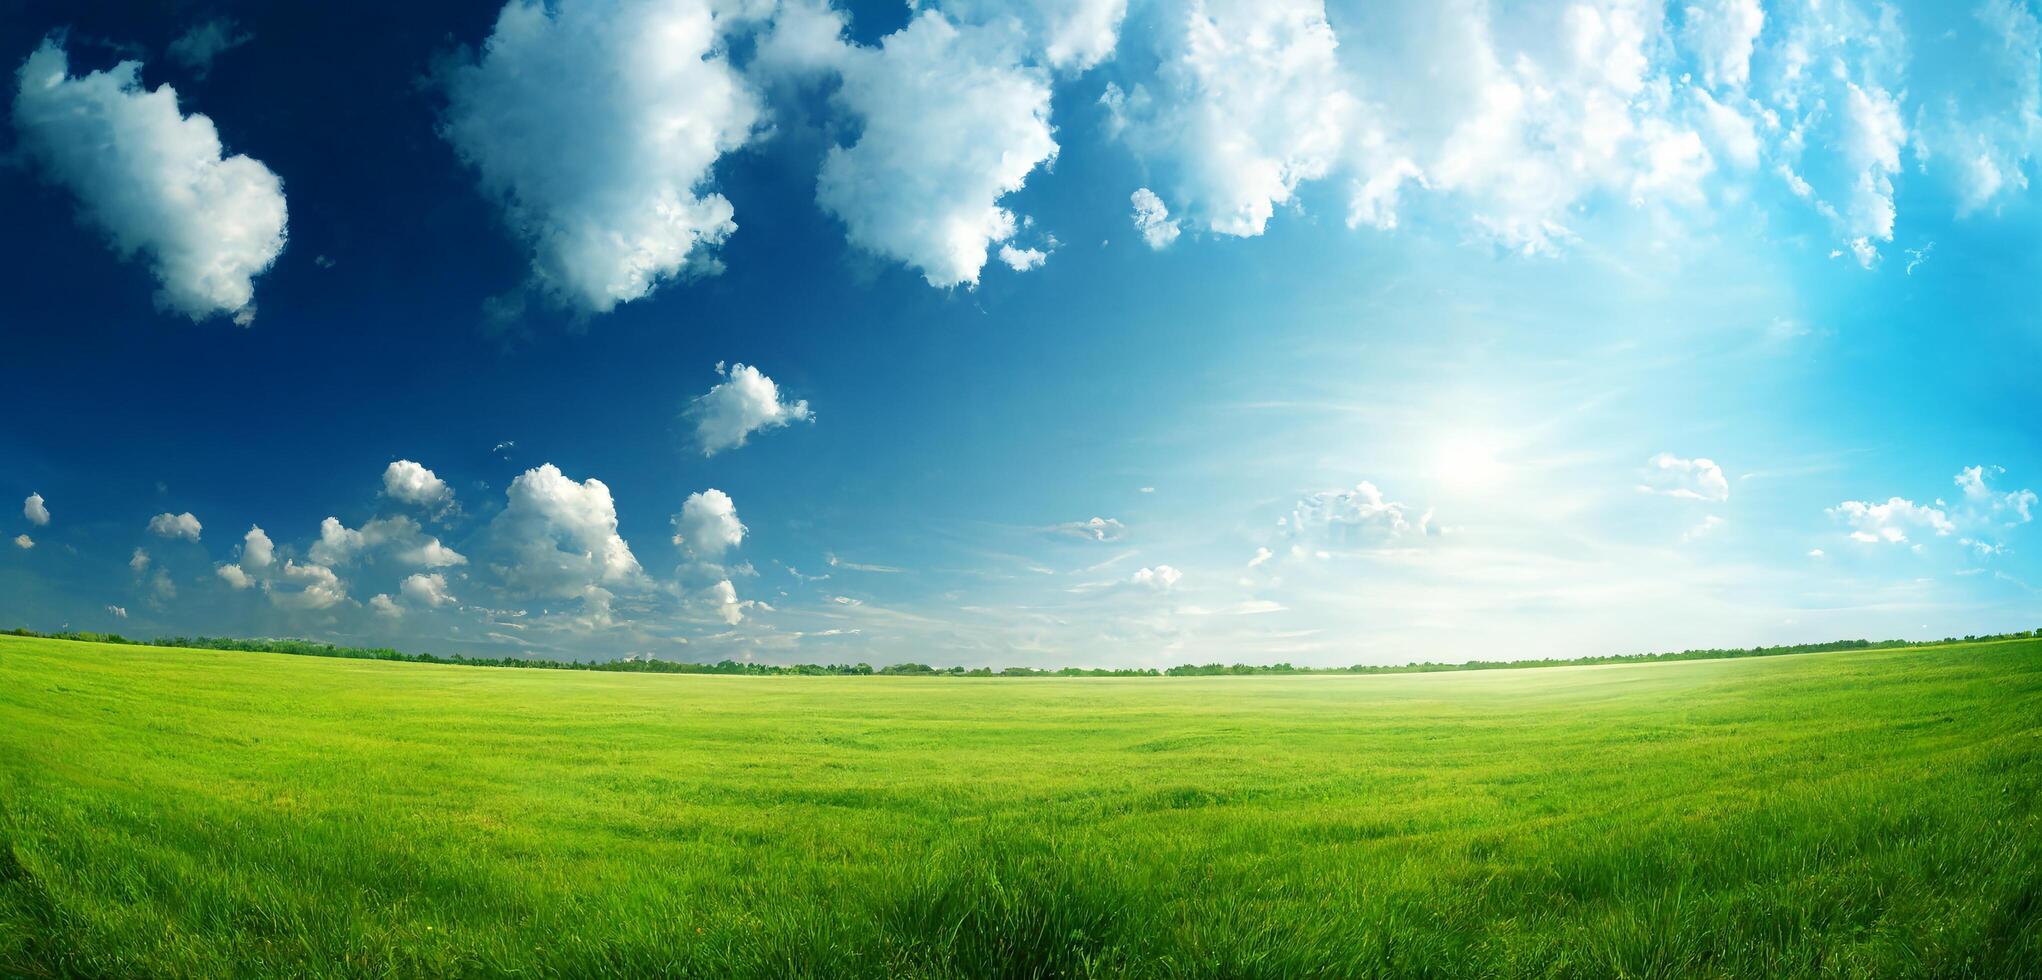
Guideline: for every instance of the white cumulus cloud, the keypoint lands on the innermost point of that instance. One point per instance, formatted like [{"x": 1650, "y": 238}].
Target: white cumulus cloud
[
  {"x": 235, "y": 576},
  {"x": 1521, "y": 121},
  {"x": 744, "y": 402},
  {"x": 257, "y": 550},
  {"x": 1161, "y": 578},
  {"x": 597, "y": 126},
  {"x": 950, "y": 120},
  {"x": 1068, "y": 35},
  {"x": 1722, "y": 34},
  {"x": 409, "y": 482},
  {"x": 1694, "y": 479},
  {"x": 35, "y": 510},
  {"x": 1889, "y": 522},
  {"x": 1022, "y": 259},
  {"x": 155, "y": 180},
  {"x": 339, "y": 544},
  {"x": 426, "y": 590},
  {"x": 1247, "y": 102},
  {"x": 707, "y": 525},
  {"x": 319, "y": 588},
  {"x": 2008, "y": 507},
  {"x": 176, "y": 526},
  {"x": 1358, "y": 517},
  {"x": 560, "y": 537},
  {"x": 1152, "y": 219}
]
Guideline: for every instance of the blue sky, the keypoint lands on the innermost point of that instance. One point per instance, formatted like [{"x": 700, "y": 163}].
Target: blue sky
[{"x": 1075, "y": 331}]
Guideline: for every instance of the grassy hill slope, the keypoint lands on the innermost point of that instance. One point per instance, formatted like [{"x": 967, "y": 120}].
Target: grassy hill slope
[{"x": 177, "y": 812}]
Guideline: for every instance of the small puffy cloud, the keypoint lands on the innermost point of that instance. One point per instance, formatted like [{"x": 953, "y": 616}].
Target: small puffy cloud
[
  {"x": 154, "y": 180},
  {"x": 196, "y": 48},
  {"x": 382, "y": 605},
  {"x": 560, "y": 537},
  {"x": 2010, "y": 507},
  {"x": 1022, "y": 259},
  {"x": 744, "y": 402},
  {"x": 430, "y": 553},
  {"x": 1247, "y": 102},
  {"x": 1080, "y": 33},
  {"x": 319, "y": 587},
  {"x": 257, "y": 552},
  {"x": 118, "y": 612},
  {"x": 1358, "y": 517},
  {"x": 1982, "y": 513},
  {"x": 35, "y": 510},
  {"x": 1694, "y": 479},
  {"x": 161, "y": 588},
  {"x": 949, "y": 122},
  {"x": 411, "y": 483},
  {"x": 256, "y": 549},
  {"x": 1152, "y": 219},
  {"x": 1161, "y": 578},
  {"x": 426, "y": 590},
  {"x": 339, "y": 544},
  {"x": 596, "y": 126},
  {"x": 24, "y": 542},
  {"x": 175, "y": 526},
  {"x": 139, "y": 561},
  {"x": 1096, "y": 529},
  {"x": 1889, "y": 522},
  {"x": 707, "y": 525},
  {"x": 1262, "y": 555}
]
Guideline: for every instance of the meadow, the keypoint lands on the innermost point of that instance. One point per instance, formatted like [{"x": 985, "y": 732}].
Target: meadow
[{"x": 171, "y": 812}]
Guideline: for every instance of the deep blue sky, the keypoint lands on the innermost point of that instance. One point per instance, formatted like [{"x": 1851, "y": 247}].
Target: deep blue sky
[{"x": 1516, "y": 385}]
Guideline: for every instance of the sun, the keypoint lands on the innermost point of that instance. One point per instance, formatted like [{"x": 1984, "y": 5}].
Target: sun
[{"x": 1469, "y": 460}]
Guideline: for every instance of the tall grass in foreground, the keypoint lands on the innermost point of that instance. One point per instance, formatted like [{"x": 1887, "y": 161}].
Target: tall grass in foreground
[{"x": 171, "y": 812}]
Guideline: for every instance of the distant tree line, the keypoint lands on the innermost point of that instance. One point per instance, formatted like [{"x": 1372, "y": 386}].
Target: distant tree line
[{"x": 650, "y": 665}]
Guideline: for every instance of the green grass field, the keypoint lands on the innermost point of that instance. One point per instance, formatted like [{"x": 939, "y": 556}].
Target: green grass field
[{"x": 171, "y": 812}]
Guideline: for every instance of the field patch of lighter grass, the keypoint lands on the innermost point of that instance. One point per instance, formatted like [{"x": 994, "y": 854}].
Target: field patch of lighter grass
[{"x": 178, "y": 812}]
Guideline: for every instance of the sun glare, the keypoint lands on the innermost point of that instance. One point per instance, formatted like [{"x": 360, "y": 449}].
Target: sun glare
[{"x": 1469, "y": 461}]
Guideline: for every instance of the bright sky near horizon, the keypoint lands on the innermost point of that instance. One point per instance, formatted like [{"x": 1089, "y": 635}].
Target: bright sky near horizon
[{"x": 1103, "y": 332}]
